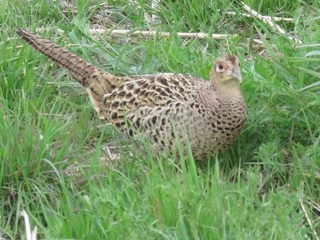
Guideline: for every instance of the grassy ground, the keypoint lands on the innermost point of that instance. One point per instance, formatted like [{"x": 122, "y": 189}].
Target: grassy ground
[{"x": 52, "y": 146}]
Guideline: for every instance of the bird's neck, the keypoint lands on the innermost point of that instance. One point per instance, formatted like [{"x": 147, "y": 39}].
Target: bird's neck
[
  {"x": 211, "y": 96},
  {"x": 230, "y": 94},
  {"x": 230, "y": 91}
]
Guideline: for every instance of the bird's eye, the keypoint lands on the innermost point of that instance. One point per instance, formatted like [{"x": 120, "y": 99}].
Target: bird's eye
[{"x": 219, "y": 68}]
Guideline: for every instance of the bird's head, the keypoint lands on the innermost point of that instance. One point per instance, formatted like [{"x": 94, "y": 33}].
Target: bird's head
[{"x": 225, "y": 73}]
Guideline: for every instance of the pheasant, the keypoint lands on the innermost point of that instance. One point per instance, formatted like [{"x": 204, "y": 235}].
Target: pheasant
[{"x": 165, "y": 112}]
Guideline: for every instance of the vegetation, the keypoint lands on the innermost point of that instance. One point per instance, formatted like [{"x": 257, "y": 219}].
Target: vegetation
[{"x": 53, "y": 148}]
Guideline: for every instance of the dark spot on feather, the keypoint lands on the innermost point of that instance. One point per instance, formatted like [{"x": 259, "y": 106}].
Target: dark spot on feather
[
  {"x": 130, "y": 86},
  {"x": 145, "y": 85},
  {"x": 114, "y": 116},
  {"x": 115, "y": 104},
  {"x": 131, "y": 100},
  {"x": 122, "y": 93},
  {"x": 130, "y": 132},
  {"x": 176, "y": 83},
  {"x": 136, "y": 91},
  {"x": 119, "y": 124},
  {"x": 159, "y": 98},
  {"x": 163, "y": 81},
  {"x": 129, "y": 95},
  {"x": 144, "y": 93},
  {"x": 168, "y": 90},
  {"x": 154, "y": 119},
  {"x": 155, "y": 138},
  {"x": 94, "y": 76},
  {"x": 163, "y": 93},
  {"x": 181, "y": 90},
  {"x": 138, "y": 123},
  {"x": 172, "y": 134}
]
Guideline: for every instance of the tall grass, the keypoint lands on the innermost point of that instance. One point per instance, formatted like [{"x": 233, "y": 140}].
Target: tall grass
[{"x": 53, "y": 146}]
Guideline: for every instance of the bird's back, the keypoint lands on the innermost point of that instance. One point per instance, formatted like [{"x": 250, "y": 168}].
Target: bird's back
[{"x": 167, "y": 114}]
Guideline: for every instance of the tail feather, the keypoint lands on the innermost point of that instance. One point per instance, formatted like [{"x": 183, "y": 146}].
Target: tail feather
[
  {"x": 96, "y": 81},
  {"x": 89, "y": 76}
]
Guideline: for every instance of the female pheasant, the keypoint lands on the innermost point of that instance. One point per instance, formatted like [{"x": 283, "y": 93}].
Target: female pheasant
[{"x": 166, "y": 112}]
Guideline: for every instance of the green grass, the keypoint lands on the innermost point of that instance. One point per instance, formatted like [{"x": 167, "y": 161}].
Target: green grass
[{"x": 266, "y": 186}]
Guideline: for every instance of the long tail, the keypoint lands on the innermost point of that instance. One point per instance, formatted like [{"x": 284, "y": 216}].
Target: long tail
[{"x": 96, "y": 81}]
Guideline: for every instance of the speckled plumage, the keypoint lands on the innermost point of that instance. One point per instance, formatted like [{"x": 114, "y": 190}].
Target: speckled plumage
[{"x": 165, "y": 110}]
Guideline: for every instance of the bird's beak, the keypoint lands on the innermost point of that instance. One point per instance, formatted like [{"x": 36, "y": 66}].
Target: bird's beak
[{"x": 236, "y": 73}]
